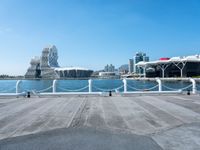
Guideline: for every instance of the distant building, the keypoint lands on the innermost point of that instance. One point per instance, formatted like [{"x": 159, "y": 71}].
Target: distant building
[
  {"x": 123, "y": 69},
  {"x": 109, "y": 68},
  {"x": 47, "y": 66},
  {"x": 103, "y": 74},
  {"x": 73, "y": 72},
  {"x": 188, "y": 66},
  {"x": 108, "y": 72},
  {"x": 140, "y": 56},
  {"x": 106, "y": 68},
  {"x": 130, "y": 66},
  {"x": 108, "y": 75}
]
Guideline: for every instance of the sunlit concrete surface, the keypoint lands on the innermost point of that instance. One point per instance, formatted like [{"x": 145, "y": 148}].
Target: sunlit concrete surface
[{"x": 93, "y": 122}]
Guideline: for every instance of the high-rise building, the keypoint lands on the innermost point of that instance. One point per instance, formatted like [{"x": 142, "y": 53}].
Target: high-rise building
[
  {"x": 106, "y": 68},
  {"x": 109, "y": 68},
  {"x": 140, "y": 56},
  {"x": 130, "y": 65}
]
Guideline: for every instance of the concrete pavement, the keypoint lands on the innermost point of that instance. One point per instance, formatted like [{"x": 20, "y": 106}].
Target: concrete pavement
[{"x": 93, "y": 122}]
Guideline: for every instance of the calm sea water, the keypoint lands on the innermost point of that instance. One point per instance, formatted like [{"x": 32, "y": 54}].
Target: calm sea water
[{"x": 8, "y": 86}]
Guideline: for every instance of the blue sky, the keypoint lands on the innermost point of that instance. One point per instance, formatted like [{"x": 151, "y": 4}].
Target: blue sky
[{"x": 93, "y": 33}]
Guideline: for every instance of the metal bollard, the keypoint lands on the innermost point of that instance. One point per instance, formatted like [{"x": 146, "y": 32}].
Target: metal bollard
[
  {"x": 110, "y": 93},
  {"x": 28, "y": 94},
  {"x": 188, "y": 92}
]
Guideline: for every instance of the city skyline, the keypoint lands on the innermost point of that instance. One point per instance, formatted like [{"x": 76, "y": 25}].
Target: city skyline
[{"x": 91, "y": 34}]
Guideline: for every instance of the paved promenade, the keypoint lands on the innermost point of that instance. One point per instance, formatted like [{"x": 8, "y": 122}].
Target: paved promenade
[{"x": 94, "y": 122}]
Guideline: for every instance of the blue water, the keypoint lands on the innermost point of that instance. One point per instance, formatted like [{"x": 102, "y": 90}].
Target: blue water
[{"x": 8, "y": 86}]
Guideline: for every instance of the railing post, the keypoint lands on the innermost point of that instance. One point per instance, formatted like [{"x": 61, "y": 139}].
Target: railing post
[
  {"x": 193, "y": 86},
  {"x": 125, "y": 85},
  {"x": 18, "y": 86},
  {"x": 54, "y": 86},
  {"x": 90, "y": 85},
  {"x": 159, "y": 84}
]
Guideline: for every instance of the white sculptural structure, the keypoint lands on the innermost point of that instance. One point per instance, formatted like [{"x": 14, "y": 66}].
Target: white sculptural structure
[{"x": 45, "y": 65}]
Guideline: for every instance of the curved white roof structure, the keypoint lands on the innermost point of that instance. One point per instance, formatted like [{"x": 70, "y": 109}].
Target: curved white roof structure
[
  {"x": 179, "y": 62},
  {"x": 193, "y": 58},
  {"x": 176, "y": 59}
]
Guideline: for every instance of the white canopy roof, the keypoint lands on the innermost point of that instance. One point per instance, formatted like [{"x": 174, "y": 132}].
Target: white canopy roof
[
  {"x": 141, "y": 63},
  {"x": 176, "y": 59},
  {"x": 193, "y": 58}
]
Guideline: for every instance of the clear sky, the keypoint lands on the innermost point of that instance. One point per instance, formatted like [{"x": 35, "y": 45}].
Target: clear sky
[{"x": 93, "y": 33}]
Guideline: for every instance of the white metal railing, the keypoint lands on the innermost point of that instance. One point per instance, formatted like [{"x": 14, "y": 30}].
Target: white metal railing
[
  {"x": 159, "y": 81},
  {"x": 75, "y": 90},
  {"x": 175, "y": 89},
  {"x": 44, "y": 90},
  {"x": 145, "y": 89},
  {"x": 91, "y": 86},
  {"x": 107, "y": 90}
]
